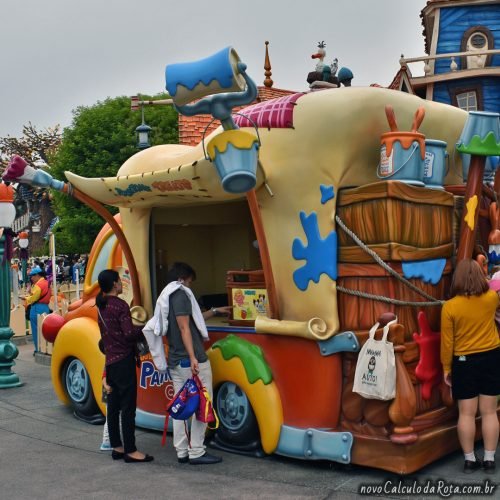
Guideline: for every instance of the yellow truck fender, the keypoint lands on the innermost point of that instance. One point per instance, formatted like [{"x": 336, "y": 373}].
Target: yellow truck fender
[
  {"x": 78, "y": 339},
  {"x": 264, "y": 398}
]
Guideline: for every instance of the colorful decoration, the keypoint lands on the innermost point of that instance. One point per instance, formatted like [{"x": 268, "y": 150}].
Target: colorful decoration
[
  {"x": 18, "y": 170},
  {"x": 327, "y": 193},
  {"x": 429, "y": 271},
  {"x": 277, "y": 113},
  {"x": 429, "y": 370},
  {"x": 470, "y": 216},
  {"x": 251, "y": 356},
  {"x": 481, "y": 134},
  {"x": 320, "y": 254},
  {"x": 132, "y": 189},
  {"x": 51, "y": 325}
]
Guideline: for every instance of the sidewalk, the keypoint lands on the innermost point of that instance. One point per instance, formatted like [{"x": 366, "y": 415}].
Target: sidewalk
[{"x": 46, "y": 453}]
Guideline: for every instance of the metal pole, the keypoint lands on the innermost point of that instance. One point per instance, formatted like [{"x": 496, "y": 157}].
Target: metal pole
[{"x": 52, "y": 245}]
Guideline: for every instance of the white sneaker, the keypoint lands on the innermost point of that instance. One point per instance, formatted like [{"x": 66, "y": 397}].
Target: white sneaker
[{"x": 105, "y": 446}]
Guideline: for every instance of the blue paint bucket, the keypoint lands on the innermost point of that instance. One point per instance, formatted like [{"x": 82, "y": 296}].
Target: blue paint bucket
[
  {"x": 234, "y": 153},
  {"x": 435, "y": 168},
  {"x": 402, "y": 157},
  {"x": 218, "y": 73}
]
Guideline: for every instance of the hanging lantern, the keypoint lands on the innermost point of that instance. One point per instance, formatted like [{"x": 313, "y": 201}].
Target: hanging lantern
[{"x": 7, "y": 209}]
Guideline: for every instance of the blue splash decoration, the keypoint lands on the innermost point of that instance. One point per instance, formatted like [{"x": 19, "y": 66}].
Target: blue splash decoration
[
  {"x": 203, "y": 71},
  {"x": 132, "y": 189},
  {"x": 493, "y": 258},
  {"x": 327, "y": 193},
  {"x": 320, "y": 254},
  {"x": 429, "y": 271}
]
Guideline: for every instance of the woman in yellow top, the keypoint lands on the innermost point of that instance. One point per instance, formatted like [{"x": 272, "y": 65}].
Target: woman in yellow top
[{"x": 470, "y": 354}]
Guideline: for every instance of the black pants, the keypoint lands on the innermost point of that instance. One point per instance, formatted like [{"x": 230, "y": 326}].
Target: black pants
[{"x": 121, "y": 376}]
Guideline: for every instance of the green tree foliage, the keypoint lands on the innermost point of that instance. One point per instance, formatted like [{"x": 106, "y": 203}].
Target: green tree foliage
[{"x": 100, "y": 139}]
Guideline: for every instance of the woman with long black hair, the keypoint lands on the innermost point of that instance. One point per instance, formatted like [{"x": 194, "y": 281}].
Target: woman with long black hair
[{"x": 119, "y": 337}]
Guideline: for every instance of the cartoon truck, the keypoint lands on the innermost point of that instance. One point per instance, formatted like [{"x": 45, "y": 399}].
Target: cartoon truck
[{"x": 337, "y": 248}]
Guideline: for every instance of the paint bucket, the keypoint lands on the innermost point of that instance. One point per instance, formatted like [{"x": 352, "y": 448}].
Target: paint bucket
[
  {"x": 435, "y": 168},
  {"x": 402, "y": 157},
  {"x": 234, "y": 153},
  {"x": 186, "y": 82},
  {"x": 480, "y": 134}
]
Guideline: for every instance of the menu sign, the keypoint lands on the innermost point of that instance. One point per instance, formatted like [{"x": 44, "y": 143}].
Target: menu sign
[{"x": 249, "y": 303}]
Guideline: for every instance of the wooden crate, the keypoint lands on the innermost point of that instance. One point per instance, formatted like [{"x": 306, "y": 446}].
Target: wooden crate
[{"x": 398, "y": 221}]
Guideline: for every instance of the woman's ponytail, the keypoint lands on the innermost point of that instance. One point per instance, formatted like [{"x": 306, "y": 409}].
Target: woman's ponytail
[{"x": 106, "y": 280}]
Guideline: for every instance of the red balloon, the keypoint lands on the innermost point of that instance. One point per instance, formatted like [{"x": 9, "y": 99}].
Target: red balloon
[{"x": 51, "y": 326}]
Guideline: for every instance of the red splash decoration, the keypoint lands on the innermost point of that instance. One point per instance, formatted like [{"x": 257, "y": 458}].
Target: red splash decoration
[{"x": 429, "y": 370}]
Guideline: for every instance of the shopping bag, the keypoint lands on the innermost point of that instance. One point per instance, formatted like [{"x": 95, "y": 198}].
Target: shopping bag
[
  {"x": 375, "y": 376},
  {"x": 206, "y": 412}
]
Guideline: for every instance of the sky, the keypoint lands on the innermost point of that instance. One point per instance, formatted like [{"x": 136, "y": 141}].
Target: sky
[{"x": 56, "y": 55}]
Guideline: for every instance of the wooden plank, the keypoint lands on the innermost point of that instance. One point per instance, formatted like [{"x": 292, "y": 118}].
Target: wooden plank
[
  {"x": 393, "y": 251},
  {"x": 394, "y": 189}
]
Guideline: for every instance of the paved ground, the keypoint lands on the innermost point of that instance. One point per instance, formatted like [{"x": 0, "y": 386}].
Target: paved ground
[{"x": 46, "y": 453}]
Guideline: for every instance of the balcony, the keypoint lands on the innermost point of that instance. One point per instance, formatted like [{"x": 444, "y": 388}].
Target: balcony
[{"x": 475, "y": 60}]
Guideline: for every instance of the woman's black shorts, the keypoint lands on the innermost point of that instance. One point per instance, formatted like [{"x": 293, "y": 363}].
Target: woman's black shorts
[{"x": 476, "y": 374}]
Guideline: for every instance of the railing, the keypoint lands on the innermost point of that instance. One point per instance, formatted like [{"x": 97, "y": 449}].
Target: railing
[
  {"x": 479, "y": 62},
  {"x": 21, "y": 222}
]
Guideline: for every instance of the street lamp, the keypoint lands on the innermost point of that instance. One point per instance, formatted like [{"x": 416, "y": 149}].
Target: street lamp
[
  {"x": 8, "y": 351},
  {"x": 23, "y": 243},
  {"x": 143, "y": 133}
]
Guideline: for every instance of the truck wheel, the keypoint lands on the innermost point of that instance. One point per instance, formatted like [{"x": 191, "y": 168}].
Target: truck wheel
[
  {"x": 76, "y": 382},
  {"x": 238, "y": 425}
]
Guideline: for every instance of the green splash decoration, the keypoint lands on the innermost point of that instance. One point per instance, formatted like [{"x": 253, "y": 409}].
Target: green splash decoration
[
  {"x": 251, "y": 356},
  {"x": 485, "y": 147}
]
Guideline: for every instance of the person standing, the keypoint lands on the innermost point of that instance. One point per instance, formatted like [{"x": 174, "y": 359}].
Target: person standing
[
  {"x": 38, "y": 301},
  {"x": 470, "y": 355},
  {"x": 119, "y": 337},
  {"x": 178, "y": 317}
]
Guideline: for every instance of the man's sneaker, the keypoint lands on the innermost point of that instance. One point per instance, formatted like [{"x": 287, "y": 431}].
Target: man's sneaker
[
  {"x": 205, "y": 459},
  {"x": 183, "y": 460},
  {"x": 472, "y": 466},
  {"x": 489, "y": 466},
  {"x": 105, "y": 446}
]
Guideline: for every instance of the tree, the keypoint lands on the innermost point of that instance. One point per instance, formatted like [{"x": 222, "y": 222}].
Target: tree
[
  {"x": 35, "y": 146},
  {"x": 100, "y": 138}
]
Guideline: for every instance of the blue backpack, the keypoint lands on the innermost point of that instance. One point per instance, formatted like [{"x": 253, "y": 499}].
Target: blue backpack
[{"x": 183, "y": 405}]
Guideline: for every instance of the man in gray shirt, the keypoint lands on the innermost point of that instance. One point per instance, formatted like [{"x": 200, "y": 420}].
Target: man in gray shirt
[{"x": 187, "y": 357}]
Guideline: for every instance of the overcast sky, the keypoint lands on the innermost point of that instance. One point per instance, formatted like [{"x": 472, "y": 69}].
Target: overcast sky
[{"x": 56, "y": 55}]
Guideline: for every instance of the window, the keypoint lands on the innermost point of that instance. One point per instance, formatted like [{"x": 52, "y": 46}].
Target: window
[
  {"x": 467, "y": 98},
  {"x": 476, "y": 39},
  {"x": 467, "y": 101}
]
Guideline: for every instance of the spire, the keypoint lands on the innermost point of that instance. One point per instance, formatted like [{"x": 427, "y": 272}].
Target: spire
[{"x": 267, "y": 66}]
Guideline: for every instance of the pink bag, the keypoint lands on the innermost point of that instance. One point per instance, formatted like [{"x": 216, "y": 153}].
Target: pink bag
[{"x": 205, "y": 412}]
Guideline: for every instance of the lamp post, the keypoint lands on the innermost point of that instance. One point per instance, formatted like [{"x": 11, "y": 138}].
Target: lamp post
[
  {"x": 23, "y": 243},
  {"x": 8, "y": 350},
  {"x": 143, "y": 133}
]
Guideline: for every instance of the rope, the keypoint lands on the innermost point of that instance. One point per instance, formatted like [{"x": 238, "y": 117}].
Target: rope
[
  {"x": 379, "y": 261},
  {"x": 387, "y": 300}
]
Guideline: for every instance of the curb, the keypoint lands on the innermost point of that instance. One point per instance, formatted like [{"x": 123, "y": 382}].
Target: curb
[{"x": 42, "y": 359}]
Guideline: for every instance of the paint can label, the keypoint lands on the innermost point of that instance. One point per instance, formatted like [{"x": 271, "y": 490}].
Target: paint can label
[
  {"x": 386, "y": 162},
  {"x": 428, "y": 164}
]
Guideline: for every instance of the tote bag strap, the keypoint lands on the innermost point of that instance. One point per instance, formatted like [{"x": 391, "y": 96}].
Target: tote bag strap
[
  {"x": 373, "y": 329},
  {"x": 386, "y": 329}
]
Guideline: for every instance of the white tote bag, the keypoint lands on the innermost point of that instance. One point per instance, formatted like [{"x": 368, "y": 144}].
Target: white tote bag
[{"x": 375, "y": 376}]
